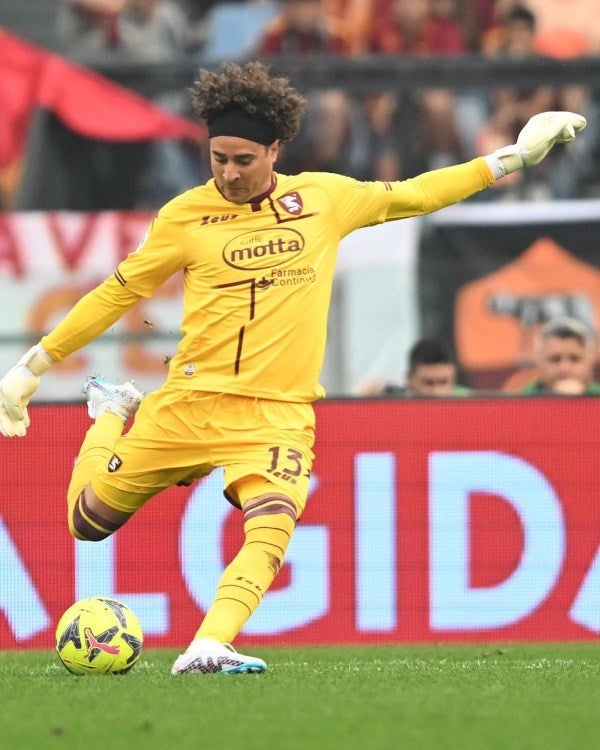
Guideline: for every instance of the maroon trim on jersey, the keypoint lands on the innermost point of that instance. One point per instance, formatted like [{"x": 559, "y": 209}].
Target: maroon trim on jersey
[
  {"x": 255, "y": 202},
  {"x": 286, "y": 219},
  {"x": 120, "y": 278},
  {"x": 238, "y": 354}
]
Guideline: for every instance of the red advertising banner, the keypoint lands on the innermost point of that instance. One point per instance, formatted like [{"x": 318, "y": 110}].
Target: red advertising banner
[{"x": 458, "y": 520}]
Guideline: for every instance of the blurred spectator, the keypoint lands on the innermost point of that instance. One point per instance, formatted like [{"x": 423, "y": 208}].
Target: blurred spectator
[
  {"x": 475, "y": 17},
  {"x": 412, "y": 27},
  {"x": 493, "y": 36},
  {"x": 502, "y": 113},
  {"x": 432, "y": 371},
  {"x": 565, "y": 355},
  {"x": 231, "y": 30},
  {"x": 424, "y": 28},
  {"x": 85, "y": 28},
  {"x": 94, "y": 31},
  {"x": 196, "y": 13},
  {"x": 356, "y": 19},
  {"x": 138, "y": 31},
  {"x": 301, "y": 27},
  {"x": 571, "y": 19},
  {"x": 334, "y": 136}
]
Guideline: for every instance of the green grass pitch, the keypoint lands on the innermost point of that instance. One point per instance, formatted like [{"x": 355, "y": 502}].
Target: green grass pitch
[{"x": 504, "y": 697}]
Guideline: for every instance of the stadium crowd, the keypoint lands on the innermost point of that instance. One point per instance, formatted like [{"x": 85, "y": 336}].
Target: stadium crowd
[
  {"x": 363, "y": 135},
  {"x": 360, "y": 134}
]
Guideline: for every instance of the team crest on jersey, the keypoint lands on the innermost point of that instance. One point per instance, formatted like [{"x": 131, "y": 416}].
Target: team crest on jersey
[{"x": 292, "y": 203}]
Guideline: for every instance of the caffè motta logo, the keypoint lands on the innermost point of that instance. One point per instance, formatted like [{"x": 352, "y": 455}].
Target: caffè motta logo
[{"x": 265, "y": 249}]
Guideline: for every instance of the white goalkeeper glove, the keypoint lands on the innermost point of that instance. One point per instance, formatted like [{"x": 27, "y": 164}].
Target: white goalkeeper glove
[
  {"x": 534, "y": 142},
  {"x": 17, "y": 387}
]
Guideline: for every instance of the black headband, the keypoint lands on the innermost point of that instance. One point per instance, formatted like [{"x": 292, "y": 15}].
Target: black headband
[{"x": 235, "y": 121}]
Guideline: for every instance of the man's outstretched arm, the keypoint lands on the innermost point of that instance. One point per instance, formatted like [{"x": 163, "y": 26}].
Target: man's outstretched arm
[
  {"x": 443, "y": 187},
  {"x": 92, "y": 315}
]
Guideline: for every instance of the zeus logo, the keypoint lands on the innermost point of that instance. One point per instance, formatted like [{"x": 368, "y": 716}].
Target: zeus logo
[
  {"x": 265, "y": 249},
  {"x": 216, "y": 219}
]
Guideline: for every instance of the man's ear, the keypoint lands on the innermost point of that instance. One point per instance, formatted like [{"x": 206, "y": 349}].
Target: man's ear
[{"x": 274, "y": 149}]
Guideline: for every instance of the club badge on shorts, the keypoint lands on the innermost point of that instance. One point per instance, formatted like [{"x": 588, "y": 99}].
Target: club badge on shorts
[{"x": 115, "y": 463}]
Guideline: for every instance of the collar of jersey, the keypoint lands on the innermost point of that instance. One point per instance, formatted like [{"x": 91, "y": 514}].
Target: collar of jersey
[{"x": 256, "y": 201}]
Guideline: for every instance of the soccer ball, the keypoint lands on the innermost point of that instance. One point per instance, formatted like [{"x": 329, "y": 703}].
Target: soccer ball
[{"x": 98, "y": 636}]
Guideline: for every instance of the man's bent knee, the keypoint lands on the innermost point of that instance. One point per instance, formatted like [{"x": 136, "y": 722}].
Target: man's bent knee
[{"x": 92, "y": 520}]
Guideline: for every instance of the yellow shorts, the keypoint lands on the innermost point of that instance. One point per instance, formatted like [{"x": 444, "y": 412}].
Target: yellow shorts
[{"x": 179, "y": 436}]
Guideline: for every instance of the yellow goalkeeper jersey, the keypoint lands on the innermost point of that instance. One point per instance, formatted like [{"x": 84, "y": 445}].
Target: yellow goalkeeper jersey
[{"x": 257, "y": 276}]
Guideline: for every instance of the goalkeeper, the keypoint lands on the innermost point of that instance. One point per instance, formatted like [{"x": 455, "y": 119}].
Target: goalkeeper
[{"x": 258, "y": 251}]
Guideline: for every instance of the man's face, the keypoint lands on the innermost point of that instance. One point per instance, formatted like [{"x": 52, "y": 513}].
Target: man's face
[
  {"x": 432, "y": 380},
  {"x": 242, "y": 169},
  {"x": 560, "y": 358}
]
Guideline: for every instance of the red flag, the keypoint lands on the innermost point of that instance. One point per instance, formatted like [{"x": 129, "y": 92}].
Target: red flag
[{"x": 83, "y": 100}]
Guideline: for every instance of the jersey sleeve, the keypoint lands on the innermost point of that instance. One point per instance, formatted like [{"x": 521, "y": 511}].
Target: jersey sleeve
[
  {"x": 160, "y": 254},
  {"x": 354, "y": 204},
  {"x": 431, "y": 191},
  {"x": 88, "y": 318},
  {"x": 359, "y": 204},
  {"x": 156, "y": 259}
]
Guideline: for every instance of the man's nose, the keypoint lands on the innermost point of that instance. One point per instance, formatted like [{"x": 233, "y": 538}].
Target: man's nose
[{"x": 230, "y": 172}]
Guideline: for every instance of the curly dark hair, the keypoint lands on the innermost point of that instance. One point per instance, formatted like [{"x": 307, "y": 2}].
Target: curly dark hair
[{"x": 252, "y": 88}]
